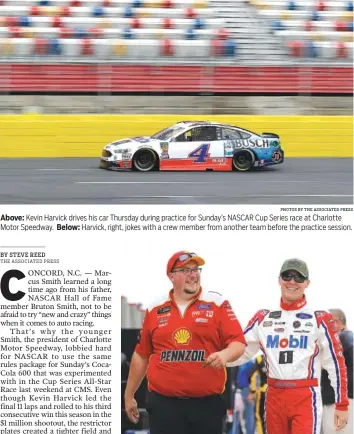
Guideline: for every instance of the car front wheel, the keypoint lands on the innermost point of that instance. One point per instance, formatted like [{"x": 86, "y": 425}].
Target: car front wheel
[
  {"x": 145, "y": 160},
  {"x": 243, "y": 160},
  {"x": 104, "y": 164}
]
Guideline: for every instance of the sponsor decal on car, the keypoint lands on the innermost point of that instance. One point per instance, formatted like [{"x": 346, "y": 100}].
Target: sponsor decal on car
[
  {"x": 164, "y": 150},
  {"x": 228, "y": 144},
  {"x": 245, "y": 143},
  {"x": 276, "y": 156},
  {"x": 164, "y": 146}
]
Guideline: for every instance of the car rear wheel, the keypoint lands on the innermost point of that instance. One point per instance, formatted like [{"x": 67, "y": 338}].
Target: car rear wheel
[
  {"x": 243, "y": 160},
  {"x": 145, "y": 160}
]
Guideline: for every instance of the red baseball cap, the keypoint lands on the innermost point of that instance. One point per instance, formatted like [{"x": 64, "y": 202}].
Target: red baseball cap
[{"x": 182, "y": 258}]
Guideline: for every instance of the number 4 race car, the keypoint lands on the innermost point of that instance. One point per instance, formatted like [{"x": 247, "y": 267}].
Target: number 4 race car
[{"x": 195, "y": 146}]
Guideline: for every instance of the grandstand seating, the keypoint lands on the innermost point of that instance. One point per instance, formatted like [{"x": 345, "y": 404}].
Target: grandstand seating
[
  {"x": 103, "y": 29},
  {"x": 223, "y": 32},
  {"x": 311, "y": 28}
]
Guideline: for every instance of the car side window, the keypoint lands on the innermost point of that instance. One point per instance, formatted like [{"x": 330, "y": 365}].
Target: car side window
[
  {"x": 204, "y": 133},
  {"x": 198, "y": 134},
  {"x": 181, "y": 138},
  {"x": 245, "y": 135},
  {"x": 229, "y": 134}
]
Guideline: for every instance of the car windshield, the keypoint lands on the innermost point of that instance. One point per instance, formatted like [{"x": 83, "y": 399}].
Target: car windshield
[{"x": 168, "y": 132}]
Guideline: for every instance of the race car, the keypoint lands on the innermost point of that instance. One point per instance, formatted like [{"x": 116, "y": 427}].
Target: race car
[{"x": 199, "y": 145}]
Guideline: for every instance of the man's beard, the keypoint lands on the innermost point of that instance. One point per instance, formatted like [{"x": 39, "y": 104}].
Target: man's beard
[{"x": 190, "y": 291}]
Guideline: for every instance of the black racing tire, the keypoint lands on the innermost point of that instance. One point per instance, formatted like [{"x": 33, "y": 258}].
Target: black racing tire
[
  {"x": 243, "y": 160},
  {"x": 145, "y": 160}
]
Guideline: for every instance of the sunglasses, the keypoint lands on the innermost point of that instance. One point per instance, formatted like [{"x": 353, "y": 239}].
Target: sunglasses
[
  {"x": 297, "y": 277},
  {"x": 183, "y": 257}
]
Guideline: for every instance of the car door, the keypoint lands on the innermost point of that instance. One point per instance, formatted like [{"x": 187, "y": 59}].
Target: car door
[{"x": 194, "y": 148}]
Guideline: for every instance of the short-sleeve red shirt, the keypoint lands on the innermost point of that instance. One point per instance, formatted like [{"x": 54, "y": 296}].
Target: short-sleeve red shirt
[{"x": 178, "y": 344}]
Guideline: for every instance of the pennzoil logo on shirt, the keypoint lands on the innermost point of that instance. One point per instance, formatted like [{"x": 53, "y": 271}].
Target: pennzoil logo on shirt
[
  {"x": 182, "y": 336},
  {"x": 182, "y": 356}
]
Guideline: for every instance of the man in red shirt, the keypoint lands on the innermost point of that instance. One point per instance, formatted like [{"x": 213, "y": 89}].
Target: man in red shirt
[{"x": 187, "y": 338}]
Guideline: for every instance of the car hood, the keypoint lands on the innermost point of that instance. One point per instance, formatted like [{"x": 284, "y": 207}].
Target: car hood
[{"x": 139, "y": 141}]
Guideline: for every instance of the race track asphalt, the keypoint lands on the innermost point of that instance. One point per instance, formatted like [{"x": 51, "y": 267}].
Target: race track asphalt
[{"x": 79, "y": 181}]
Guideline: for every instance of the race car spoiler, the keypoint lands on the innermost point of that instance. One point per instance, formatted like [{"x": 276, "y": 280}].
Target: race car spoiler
[{"x": 270, "y": 135}]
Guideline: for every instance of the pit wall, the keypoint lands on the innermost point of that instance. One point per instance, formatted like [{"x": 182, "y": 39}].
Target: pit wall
[{"x": 28, "y": 135}]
